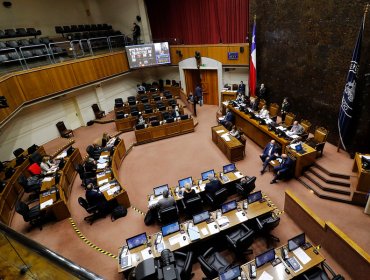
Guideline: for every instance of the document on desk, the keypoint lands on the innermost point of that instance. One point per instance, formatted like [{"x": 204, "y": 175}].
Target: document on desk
[
  {"x": 48, "y": 179},
  {"x": 240, "y": 216},
  {"x": 62, "y": 155},
  {"x": 184, "y": 241},
  {"x": 146, "y": 253},
  {"x": 281, "y": 128},
  {"x": 101, "y": 174},
  {"x": 193, "y": 233},
  {"x": 213, "y": 228},
  {"x": 174, "y": 239},
  {"x": 105, "y": 187},
  {"x": 223, "y": 221},
  {"x": 226, "y": 137},
  {"x": 265, "y": 276},
  {"x": 46, "y": 203},
  {"x": 102, "y": 182},
  {"x": 220, "y": 131},
  {"x": 101, "y": 165},
  {"x": 301, "y": 255},
  {"x": 204, "y": 231},
  {"x": 112, "y": 190},
  {"x": 238, "y": 174},
  {"x": 294, "y": 136}
]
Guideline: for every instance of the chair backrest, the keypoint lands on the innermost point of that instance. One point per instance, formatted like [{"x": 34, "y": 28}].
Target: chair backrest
[
  {"x": 321, "y": 134},
  {"x": 61, "y": 126},
  {"x": 194, "y": 204},
  {"x": 246, "y": 189},
  {"x": 18, "y": 152},
  {"x": 306, "y": 125},
  {"x": 246, "y": 240},
  {"x": 289, "y": 119},
  {"x": 95, "y": 108},
  {"x": 22, "y": 180},
  {"x": 22, "y": 208},
  {"x": 168, "y": 214},
  {"x": 274, "y": 109},
  {"x": 220, "y": 196},
  {"x": 83, "y": 203}
]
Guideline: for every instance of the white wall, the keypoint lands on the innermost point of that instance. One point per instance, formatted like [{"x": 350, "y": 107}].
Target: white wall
[
  {"x": 235, "y": 75},
  {"x": 36, "y": 124},
  {"x": 46, "y": 14}
]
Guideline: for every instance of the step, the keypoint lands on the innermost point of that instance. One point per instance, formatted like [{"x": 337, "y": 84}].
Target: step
[
  {"x": 326, "y": 187},
  {"x": 330, "y": 173},
  {"x": 329, "y": 179},
  {"x": 324, "y": 195}
]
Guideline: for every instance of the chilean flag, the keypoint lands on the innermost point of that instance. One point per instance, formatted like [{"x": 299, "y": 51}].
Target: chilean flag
[{"x": 252, "y": 64}]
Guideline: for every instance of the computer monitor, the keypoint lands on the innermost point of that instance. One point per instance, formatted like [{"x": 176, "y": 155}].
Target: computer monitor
[
  {"x": 162, "y": 108},
  {"x": 140, "y": 126},
  {"x": 136, "y": 241},
  {"x": 201, "y": 217},
  {"x": 228, "y": 206},
  {"x": 230, "y": 274},
  {"x": 182, "y": 182},
  {"x": 184, "y": 117},
  {"x": 299, "y": 147},
  {"x": 170, "y": 228},
  {"x": 159, "y": 190},
  {"x": 296, "y": 242},
  {"x": 206, "y": 174},
  {"x": 265, "y": 257},
  {"x": 148, "y": 110},
  {"x": 229, "y": 168},
  {"x": 155, "y": 123},
  {"x": 253, "y": 197},
  {"x": 132, "y": 102},
  {"x": 170, "y": 120},
  {"x": 134, "y": 113}
]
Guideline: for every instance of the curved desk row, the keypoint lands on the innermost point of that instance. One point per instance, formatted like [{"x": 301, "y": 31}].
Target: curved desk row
[{"x": 167, "y": 130}]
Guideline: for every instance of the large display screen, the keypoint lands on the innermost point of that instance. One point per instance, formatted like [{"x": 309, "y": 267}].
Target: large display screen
[{"x": 148, "y": 55}]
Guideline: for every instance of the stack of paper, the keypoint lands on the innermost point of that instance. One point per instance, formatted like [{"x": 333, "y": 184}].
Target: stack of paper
[
  {"x": 301, "y": 255},
  {"x": 174, "y": 239},
  {"x": 101, "y": 165},
  {"x": 46, "y": 203},
  {"x": 241, "y": 217},
  {"x": 223, "y": 221},
  {"x": 103, "y": 182},
  {"x": 48, "y": 179},
  {"x": 104, "y": 188},
  {"x": 226, "y": 137},
  {"x": 220, "y": 131},
  {"x": 213, "y": 228},
  {"x": 62, "y": 155}
]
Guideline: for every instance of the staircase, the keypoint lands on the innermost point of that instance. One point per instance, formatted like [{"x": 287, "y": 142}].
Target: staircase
[{"x": 328, "y": 185}]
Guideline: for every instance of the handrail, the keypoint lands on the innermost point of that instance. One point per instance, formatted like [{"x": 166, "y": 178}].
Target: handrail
[{"x": 50, "y": 255}]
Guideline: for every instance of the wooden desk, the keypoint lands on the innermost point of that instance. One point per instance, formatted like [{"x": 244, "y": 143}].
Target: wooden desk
[
  {"x": 154, "y": 133},
  {"x": 278, "y": 271},
  {"x": 228, "y": 95},
  {"x": 302, "y": 160},
  {"x": 255, "y": 131},
  {"x": 233, "y": 149},
  {"x": 254, "y": 210},
  {"x": 363, "y": 176}
]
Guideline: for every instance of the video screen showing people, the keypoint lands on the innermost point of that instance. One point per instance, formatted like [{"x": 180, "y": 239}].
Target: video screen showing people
[{"x": 148, "y": 55}]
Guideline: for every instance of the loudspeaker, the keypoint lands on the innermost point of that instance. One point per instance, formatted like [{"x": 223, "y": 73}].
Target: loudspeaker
[
  {"x": 7, "y": 4},
  {"x": 241, "y": 49}
]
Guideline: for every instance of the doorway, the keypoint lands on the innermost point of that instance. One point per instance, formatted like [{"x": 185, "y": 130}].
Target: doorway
[{"x": 208, "y": 80}]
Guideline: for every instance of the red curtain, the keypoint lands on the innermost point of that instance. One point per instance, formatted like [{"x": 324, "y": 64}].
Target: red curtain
[{"x": 199, "y": 21}]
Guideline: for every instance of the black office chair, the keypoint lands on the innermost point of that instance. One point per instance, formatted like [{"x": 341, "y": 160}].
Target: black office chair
[
  {"x": 120, "y": 115},
  {"x": 184, "y": 264},
  {"x": 168, "y": 215},
  {"x": 131, "y": 100},
  {"x": 18, "y": 152},
  {"x": 317, "y": 273},
  {"x": 212, "y": 263},
  {"x": 85, "y": 176},
  {"x": 245, "y": 189},
  {"x": 33, "y": 216},
  {"x": 118, "y": 102},
  {"x": 266, "y": 224},
  {"x": 217, "y": 198},
  {"x": 240, "y": 239},
  {"x": 35, "y": 157},
  {"x": 192, "y": 205},
  {"x": 91, "y": 209}
]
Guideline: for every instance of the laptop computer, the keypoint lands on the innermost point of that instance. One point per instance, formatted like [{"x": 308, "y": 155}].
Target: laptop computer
[{"x": 299, "y": 149}]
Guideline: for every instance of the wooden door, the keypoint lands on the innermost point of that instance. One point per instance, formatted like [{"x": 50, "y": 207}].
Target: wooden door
[{"x": 209, "y": 86}]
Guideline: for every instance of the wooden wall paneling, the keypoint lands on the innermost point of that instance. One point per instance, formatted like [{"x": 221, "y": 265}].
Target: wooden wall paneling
[
  {"x": 36, "y": 84},
  {"x": 62, "y": 77},
  {"x": 84, "y": 72},
  {"x": 10, "y": 88},
  {"x": 219, "y": 53}
]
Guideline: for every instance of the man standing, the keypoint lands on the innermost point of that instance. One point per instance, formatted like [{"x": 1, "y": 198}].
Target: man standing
[
  {"x": 285, "y": 107},
  {"x": 136, "y": 33},
  {"x": 241, "y": 88},
  {"x": 199, "y": 95},
  {"x": 269, "y": 153}
]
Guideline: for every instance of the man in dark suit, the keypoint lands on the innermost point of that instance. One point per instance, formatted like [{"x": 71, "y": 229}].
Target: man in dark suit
[
  {"x": 213, "y": 185},
  {"x": 95, "y": 197},
  {"x": 269, "y": 153},
  {"x": 229, "y": 117},
  {"x": 241, "y": 88},
  {"x": 283, "y": 169}
]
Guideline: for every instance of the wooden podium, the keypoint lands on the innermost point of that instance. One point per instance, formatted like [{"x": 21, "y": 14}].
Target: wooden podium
[{"x": 363, "y": 176}]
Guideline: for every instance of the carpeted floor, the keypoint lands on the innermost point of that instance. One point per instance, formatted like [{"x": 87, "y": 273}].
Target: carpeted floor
[{"x": 165, "y": 162}]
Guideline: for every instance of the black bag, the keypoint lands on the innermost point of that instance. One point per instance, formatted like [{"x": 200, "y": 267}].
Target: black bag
[
  {"x": 150, "y": 217},
  {"x": 118, "y": 212}
]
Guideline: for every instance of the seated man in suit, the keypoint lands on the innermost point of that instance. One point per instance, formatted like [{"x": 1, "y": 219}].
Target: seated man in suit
[
  {"x": 229, "y": 117},
  {"x": 269, "y": 153},
  {"x": 140, "y": 120},
  {"x": 283, "y": 169},
  {"x": 95, "y": 197},
  {"x": 90, "y": 165},
  {"x": 296, "y": 129},
  {"x": 213, "y": 185}
]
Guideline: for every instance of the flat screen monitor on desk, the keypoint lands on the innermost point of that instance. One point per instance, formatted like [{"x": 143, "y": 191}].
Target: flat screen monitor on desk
[
  {"x": 265, "y": 257},
  {"x": 253, "y": 197},
  {"x": 230, "y": 274},
  {"x": 159, "y": 190},
  {"x": 296, "y": 242},
  {"x": 201, "y": 217},
  {"x": 228, "y": 206},
  {"x": 184, "y": 181},
  {"x": 206, "y": 174},
  {"x": 170, "y": 228},
  {"x": 229, "y": 168},
  {"x": 136, "y": 241}
]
